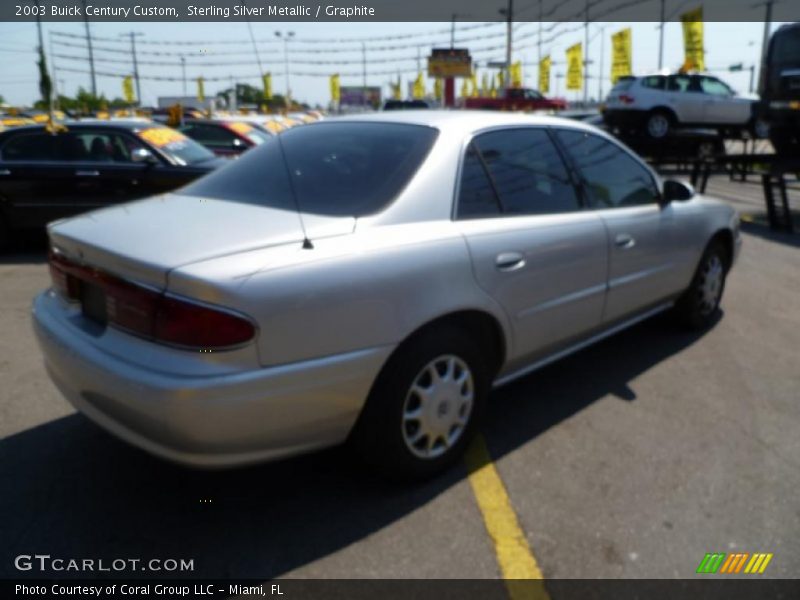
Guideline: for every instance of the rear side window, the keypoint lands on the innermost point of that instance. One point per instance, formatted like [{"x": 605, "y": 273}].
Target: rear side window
[
  {"x": 476, "y": 197},
  {"x": 654, "y": 82},
  {"x": 623, "y": 84},
  {"x": 30, "y": 146},
  {"x": 524, "y": 170},
  {"x": 613, "y": 178},
  {"x": 348, "y": 169}
]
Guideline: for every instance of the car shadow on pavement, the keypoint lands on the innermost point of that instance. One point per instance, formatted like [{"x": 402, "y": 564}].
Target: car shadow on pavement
[
  {"x": 73, "y": 491},
  {"x": 760, "y": 228}
]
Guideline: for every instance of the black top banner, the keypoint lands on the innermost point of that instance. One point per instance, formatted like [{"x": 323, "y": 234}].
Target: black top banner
[{"x": 392, "y": 10}]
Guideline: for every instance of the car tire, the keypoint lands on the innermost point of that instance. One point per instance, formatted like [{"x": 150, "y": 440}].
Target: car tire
[
  {"x": 659, "y": 124},
  {"x": 698, "y": 307},
  {"x": 759, "y": 128},
  {"x": 415, "y": 424}
]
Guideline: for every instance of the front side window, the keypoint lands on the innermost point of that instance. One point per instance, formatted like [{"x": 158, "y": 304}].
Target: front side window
[
  {"x": 715, "y": 87},
  {"x": 96, "y": 146},
  {"x": 524, "y": 172},
  {"x": 612, "y": 177}
]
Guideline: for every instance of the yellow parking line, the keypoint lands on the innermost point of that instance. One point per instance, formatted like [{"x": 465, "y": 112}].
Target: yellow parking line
[{"x": 524, "y": 579}]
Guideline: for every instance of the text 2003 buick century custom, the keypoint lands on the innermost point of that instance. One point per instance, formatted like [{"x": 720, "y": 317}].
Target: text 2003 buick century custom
[{"x": 370, "y": 279}]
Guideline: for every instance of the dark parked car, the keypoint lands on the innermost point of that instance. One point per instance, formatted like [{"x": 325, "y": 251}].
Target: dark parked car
[
  {"x": 46, "y": 176},
  {"x": 780, "y": 89},
  {"x": 225, "y": 138}
]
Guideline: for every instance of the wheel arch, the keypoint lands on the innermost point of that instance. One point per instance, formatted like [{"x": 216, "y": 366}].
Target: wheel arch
[{"x": 724, "y": 236}]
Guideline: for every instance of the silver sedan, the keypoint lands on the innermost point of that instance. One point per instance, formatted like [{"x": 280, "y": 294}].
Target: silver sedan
[{"x": 368, "y": 279}]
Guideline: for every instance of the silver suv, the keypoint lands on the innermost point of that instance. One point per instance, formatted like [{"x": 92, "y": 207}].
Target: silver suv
[{"x": 658, "y": 104}]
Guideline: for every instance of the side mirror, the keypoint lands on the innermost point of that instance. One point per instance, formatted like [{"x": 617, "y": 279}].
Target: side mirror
[
  {"x": 143, "y": 155},
  {"x": 679, "y": 191}
]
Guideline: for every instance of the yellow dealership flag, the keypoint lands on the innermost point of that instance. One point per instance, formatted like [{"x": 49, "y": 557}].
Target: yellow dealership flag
[
  {"x": 266, "y": 80},
  {"x": 397, "y": 89},
  {"x": 336, "y": 92},
  {"x": 464, "y": 87},
  {"x": 485, "y": 85},
  {"x": 693, "y": 40},
  {"x": 127, "y": 89},
  {"x": 473, "y": 85},
  {"x": 544, "y": 75},
  {"x": 201, "y": 91},
  {"x": 621, "y": 59},
  {"x": 493, "y": 89},
  {"x": 575, "y": 67},
  {"x": 501, "y": 80},
  {"x": 516, "y": 74},
  {"x": 419, "y": 87},
  {"x": 438, "y": 88}
]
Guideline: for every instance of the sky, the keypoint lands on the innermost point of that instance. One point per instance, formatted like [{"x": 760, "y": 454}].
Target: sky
[{"x": 726, "y": 44}]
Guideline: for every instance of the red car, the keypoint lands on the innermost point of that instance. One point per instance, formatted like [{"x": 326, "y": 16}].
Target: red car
[{"x": 517, "y": 99}]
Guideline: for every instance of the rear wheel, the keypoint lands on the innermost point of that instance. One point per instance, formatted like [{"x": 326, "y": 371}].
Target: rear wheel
[
  {"x": 699, "y": 305},
  {"x": 424, "y": 406},
  {"x": 659, "y": 124}
]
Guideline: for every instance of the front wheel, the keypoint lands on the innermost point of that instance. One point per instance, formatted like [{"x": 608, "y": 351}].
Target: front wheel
[
  {"x": 424, "y": 406},
  {"x": 699, "y": 305}
]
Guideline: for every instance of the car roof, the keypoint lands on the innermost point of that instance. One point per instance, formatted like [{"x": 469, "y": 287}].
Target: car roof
[
  {"x": 464, "y": 120},
  {"x": 131, "y": 125}
]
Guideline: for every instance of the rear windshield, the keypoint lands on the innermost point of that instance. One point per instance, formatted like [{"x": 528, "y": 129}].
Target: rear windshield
[
  {"x": 345, "y": 169},
  {"x": 623, "y": 84}
]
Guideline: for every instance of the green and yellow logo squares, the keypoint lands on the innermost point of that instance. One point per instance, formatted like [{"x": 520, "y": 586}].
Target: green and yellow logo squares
[{"x": 720, "y": 562}]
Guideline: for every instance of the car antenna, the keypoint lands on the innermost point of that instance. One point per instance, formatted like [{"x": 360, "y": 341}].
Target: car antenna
[{"x": 307, "y": 245}]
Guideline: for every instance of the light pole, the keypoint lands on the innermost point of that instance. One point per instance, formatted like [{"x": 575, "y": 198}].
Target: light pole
[
  {"x": 183, "y": 73},
  {"x": 286, "y": 36}
]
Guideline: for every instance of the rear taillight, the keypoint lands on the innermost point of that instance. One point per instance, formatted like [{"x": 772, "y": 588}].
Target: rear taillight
[
  {"x": 626, "y": 99},
  {"x": 152, "y": 314}
]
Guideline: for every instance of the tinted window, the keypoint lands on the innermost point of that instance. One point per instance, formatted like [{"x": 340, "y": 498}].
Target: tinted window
[
  {"x": 623, "y": 84},
  {"x": 353, "y": 168},
  {"x": 476, "y": 197},
  {"x": 30, "y": 146},
  {"x": 527, "y": 172},
  {"x": 96, "y": 146},
  {"x": 613, "y": 177},
  {"x": 209, "y": 134},
  {"x": 258, "y": 177},
  {"x": 335, "y": 168},
  {"x": 786, "y": 47}
]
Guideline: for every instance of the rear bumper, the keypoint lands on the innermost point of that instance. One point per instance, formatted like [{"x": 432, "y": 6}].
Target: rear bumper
[{"x": 215, "y": 421}]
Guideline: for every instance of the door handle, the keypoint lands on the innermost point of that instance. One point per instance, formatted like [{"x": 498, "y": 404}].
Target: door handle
[
  {"x": 5, "y": 172},
  {"x": 87, "y": 173},
  {"x": 624, "y": 241},
  {"x": 509, "y": 261}
]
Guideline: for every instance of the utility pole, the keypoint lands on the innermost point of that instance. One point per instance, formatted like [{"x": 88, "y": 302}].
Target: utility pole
[
  {"x": 183, "y": 73},
  {"x": 602, "y": 53},
  {"x": 133, "y": 35},
  {"x": 509, "y": 41},
  {"x": 53, "y": 70},
  {"x": 253, "y": 41},
  {"x": 89, "y": 47},
  {"x": 453, "y": 32},
  {"x": 539, "y": 39},
  {"x": 286, "y": 36},
  {"x": 364, "y": 71},
  {"x": 586, "y": 58},
  {"x": 767, "y": 23},
  {"x": 661, "y": 37}
]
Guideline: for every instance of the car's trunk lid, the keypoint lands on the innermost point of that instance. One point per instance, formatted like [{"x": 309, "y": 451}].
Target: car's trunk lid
[{"x": 143, "y": 241}]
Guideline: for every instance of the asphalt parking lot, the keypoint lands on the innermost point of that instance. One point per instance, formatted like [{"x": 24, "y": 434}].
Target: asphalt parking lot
[{"x": 633, "y": 458}]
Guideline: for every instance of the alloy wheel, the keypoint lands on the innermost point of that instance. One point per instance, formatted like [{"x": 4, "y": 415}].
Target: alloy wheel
[{"x": 710, "y": 285}]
